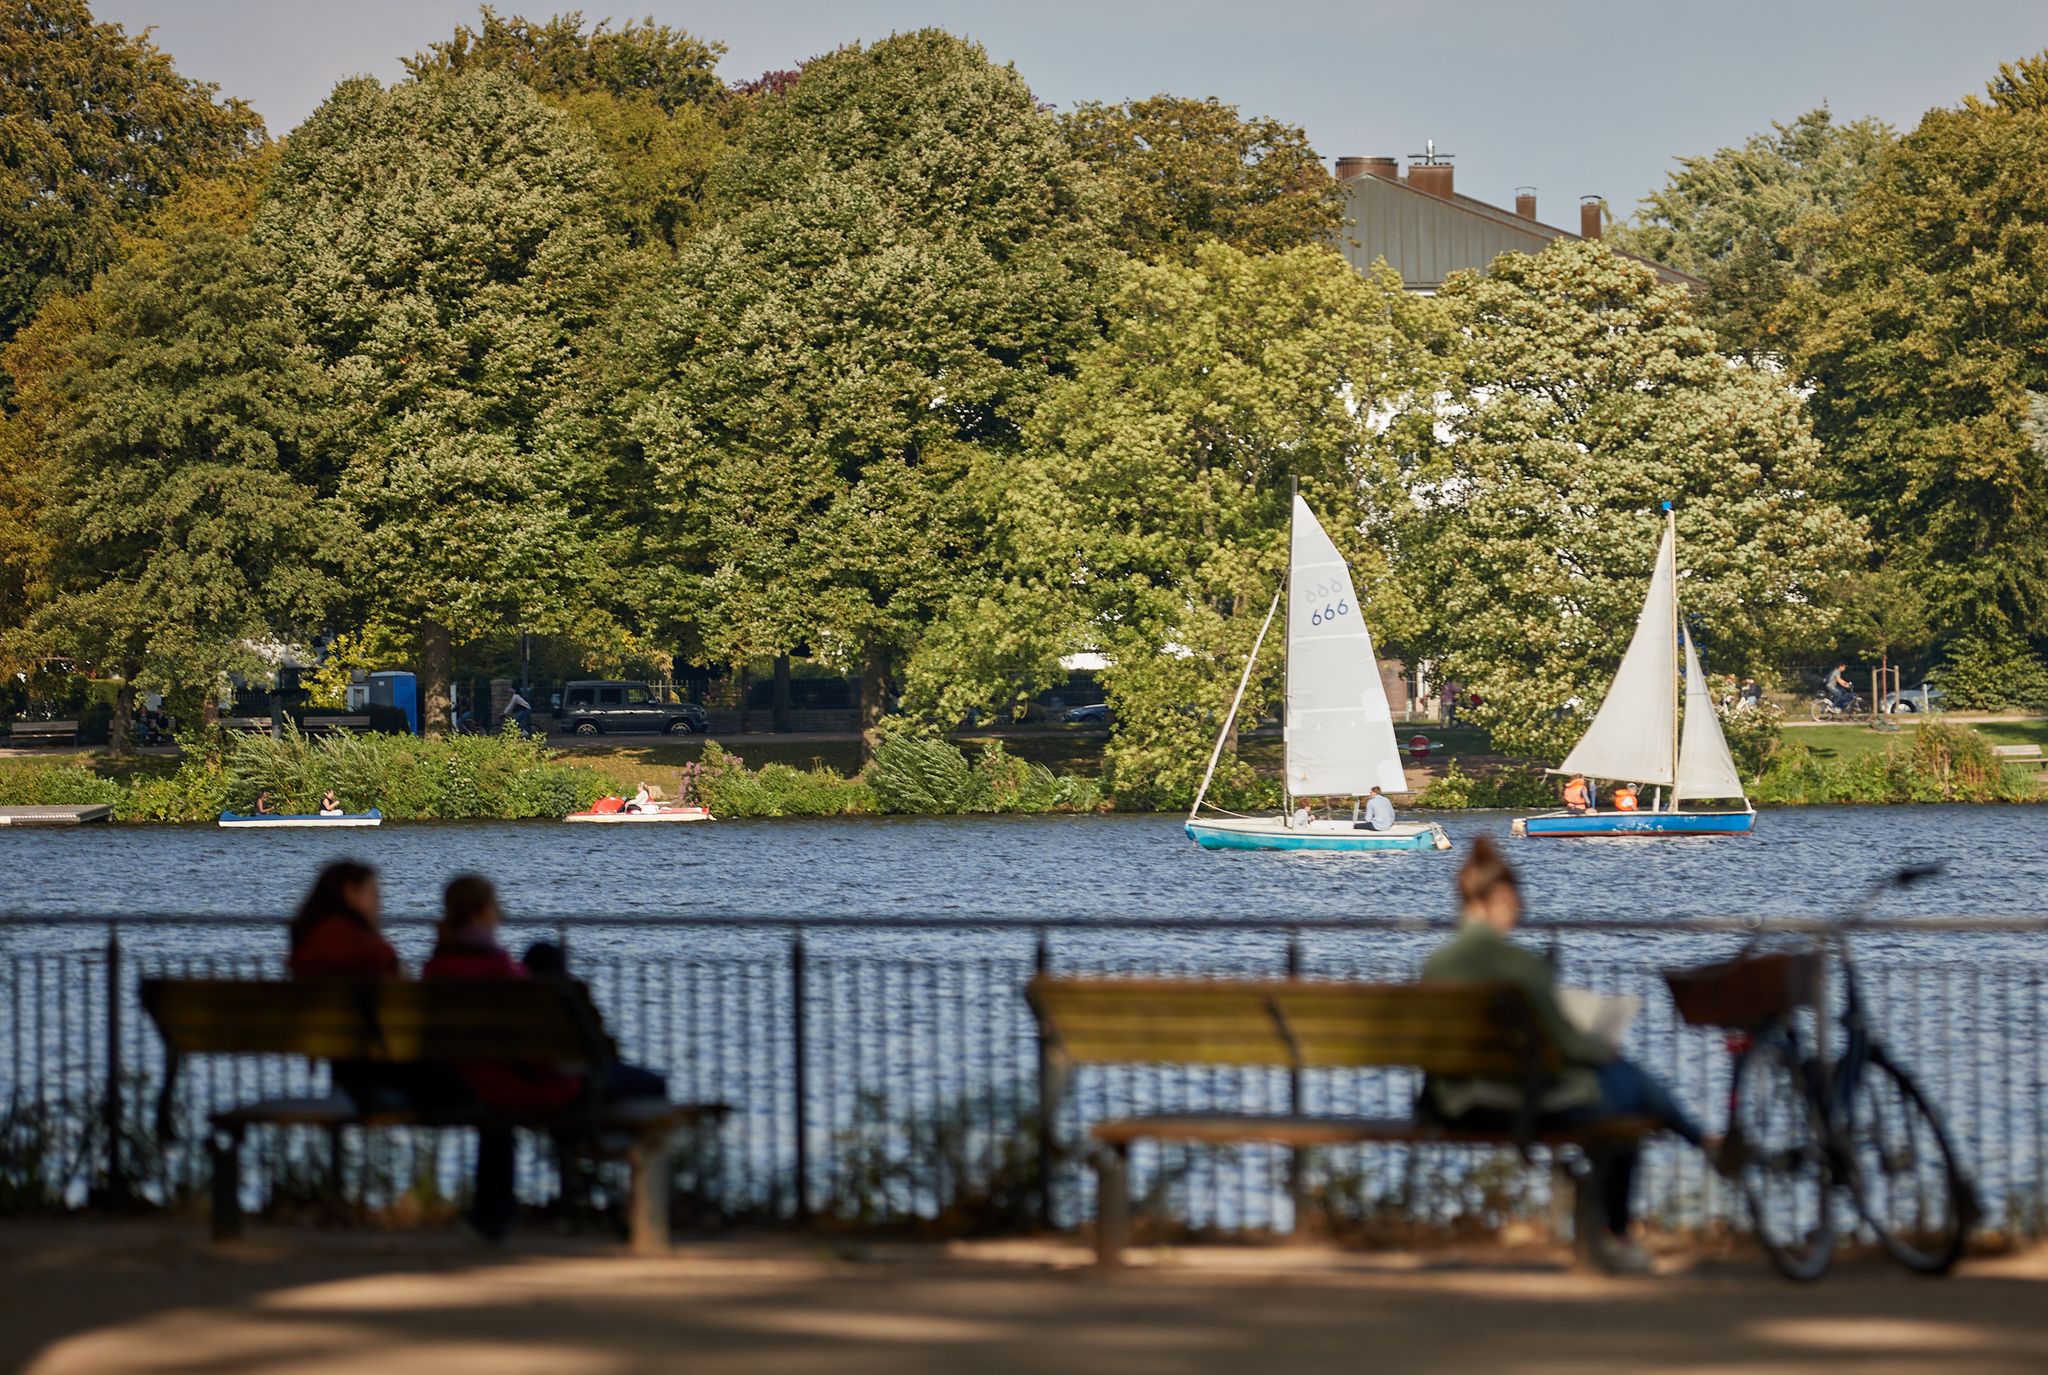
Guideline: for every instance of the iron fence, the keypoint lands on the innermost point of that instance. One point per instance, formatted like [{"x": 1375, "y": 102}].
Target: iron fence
[{"x": 889, "y": 1072}]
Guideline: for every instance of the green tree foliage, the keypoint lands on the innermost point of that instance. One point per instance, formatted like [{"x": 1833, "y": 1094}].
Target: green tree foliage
[
  {"x": 96, "y": 128},
  {"x": 1156, "y": 509},
  {"x": 1584, "y": 396},
  {"x": 905, "y": 253},
  {"x": 1180, "y": 171},
  {"x": 1925, "y": 338},
  {"x": 1993, "y": 669},
  {"x": 179, "y": 500},
  {"x": 649, "y": 94},
  {"x": 443, "y": 246},
  {"x": 1731, "y": 218}
]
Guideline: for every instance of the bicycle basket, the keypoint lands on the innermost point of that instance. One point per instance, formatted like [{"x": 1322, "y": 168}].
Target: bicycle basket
[{"x": 1744, "y": 993}]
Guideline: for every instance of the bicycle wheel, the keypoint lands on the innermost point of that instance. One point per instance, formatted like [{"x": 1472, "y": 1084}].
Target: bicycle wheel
[
  {"x": 1908, "y": 1184},
  {"x": 1786, "y": 1175}
]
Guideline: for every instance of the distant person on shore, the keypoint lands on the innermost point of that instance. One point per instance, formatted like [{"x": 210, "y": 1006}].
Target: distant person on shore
[
  {"x": 1447, "y": 700},
  {"x": 1595, "y": 1083},
  {"x": 1379, "y": 811},
  {"x": 466, "y": 947},
  {"x": 1749, "y": 696}
]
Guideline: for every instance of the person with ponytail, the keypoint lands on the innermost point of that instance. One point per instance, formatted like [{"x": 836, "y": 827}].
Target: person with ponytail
[
  {"x": 1595, "y": 1083},
  {"x": 334, "y": 934}
]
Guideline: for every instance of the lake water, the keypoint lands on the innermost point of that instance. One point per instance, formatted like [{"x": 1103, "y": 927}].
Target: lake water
[{"x": 1800, "y": 862}]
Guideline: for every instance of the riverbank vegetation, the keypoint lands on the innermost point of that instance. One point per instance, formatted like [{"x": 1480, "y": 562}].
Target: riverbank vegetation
[{"x": 884, "y": 364}]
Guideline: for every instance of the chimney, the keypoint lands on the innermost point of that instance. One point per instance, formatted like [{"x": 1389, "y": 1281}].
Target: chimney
[
  {"x": 1430, "y": 178},
  {"x": 1589, "y": 217},
  {"x": 1350, "y": 169},
  {"x": 1386, "y": 169},
  {"x": 1525, "y": 202}
]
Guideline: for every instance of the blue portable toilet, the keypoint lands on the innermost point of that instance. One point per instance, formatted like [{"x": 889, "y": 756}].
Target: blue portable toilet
[{"x": 394, "y": 688}]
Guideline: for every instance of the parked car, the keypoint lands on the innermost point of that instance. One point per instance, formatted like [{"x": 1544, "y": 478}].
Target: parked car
[
  {"x": 1926, "y": 697},
  {"x": 1095, "y": 713},
  {"x": 611, "y": 707}
]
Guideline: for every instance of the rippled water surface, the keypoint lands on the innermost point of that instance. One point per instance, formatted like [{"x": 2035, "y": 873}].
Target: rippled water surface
[{"x": 1799, "y": 862}]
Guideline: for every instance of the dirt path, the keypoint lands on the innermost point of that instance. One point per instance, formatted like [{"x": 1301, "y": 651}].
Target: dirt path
[{"x": 150, "y": 1297}]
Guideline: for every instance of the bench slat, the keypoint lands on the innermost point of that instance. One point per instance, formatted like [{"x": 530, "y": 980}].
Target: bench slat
[{"x": 1232, "y": 1129}]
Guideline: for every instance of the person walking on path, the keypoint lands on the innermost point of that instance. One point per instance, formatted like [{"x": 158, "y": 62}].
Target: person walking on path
[{"x": 1595, "y": 1083}]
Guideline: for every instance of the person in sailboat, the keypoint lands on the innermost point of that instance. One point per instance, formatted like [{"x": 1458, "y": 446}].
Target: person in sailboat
[
  {"x": 1379, "y": 811},
  {"x": 1625, "y": 797},
  {"x": 1595, "y": 1083},
  {"x": 1578, "y": 795}
]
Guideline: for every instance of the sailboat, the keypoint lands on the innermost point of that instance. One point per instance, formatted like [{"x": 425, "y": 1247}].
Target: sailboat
[
  {"x": 1340, "y": 731},
  {"x": 1642, "y": 734}
]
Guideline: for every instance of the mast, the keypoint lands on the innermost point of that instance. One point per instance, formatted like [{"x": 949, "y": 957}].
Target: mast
[
  {"x": 1287, "y": 661},
  {"x": 1677, "y": 678}
]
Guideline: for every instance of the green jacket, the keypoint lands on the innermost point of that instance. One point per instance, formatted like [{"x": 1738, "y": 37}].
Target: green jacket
[{"x": 1480, "y": 954}]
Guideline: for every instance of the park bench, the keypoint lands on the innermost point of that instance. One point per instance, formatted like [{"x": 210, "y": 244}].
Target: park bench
[
  {"x": 2022, "y": 752},
  {"x": 390, "y": 1021},
  {"x": 45, "y": 733},
  {"x": 1477, "y": 1030},
  {"x": 310, "y": 725}
]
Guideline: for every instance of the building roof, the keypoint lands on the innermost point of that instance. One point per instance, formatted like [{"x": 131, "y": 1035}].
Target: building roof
[{"x": 1426, "y": 237}]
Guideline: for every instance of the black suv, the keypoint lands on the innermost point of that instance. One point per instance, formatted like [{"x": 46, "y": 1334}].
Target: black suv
[{"x": 619, "y": 708}]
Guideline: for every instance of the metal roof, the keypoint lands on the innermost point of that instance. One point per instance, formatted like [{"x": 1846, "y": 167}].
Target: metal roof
[{"x": 1426, "y": 238}]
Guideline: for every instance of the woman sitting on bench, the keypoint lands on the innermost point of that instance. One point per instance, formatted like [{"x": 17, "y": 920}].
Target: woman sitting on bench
[{"x": 1595, "y": 1084}]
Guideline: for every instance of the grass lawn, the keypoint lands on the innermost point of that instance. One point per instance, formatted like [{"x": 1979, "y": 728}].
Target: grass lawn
[{"x": 1855, "y": 742}]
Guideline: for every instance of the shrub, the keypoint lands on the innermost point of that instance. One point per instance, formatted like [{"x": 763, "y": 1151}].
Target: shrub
[
  {"x": 1993, "y": 670},
  {"x": 1754, "y": 735},
  {"x": 923, "y": 776},
  {"x": 56, "y": 785},
  {"x": 505, "y": 776},
  {"x": 1943, "y": 763},
  {"x": 729, "y": 788},
  {"x": 1498, "y": 788}
]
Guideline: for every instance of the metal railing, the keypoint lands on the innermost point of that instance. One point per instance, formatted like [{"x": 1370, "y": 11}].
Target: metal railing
[{"x": 888, "y": 1072}]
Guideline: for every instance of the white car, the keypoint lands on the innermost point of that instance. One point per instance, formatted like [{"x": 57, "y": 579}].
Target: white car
[{"x": 1926, "y": 697}]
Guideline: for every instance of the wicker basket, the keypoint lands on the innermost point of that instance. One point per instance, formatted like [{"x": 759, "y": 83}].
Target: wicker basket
[{"x": 1744, "y": 993}]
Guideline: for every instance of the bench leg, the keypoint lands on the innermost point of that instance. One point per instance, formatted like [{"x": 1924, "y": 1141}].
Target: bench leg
[
  {"x": 1589, "y": 1214},
  {"x": 1112, "y": 1205},
  {"x": 226, "y": 1147},
  {"x": 648, "y": 1219}
]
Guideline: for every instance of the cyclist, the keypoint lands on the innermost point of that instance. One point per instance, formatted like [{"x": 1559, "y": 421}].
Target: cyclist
[
  {"x": 1838, "y": 689},
  {"x": 1596, "y": 1083}
]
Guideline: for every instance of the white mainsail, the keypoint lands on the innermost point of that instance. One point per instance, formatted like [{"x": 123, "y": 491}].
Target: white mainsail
[
  {"x": 1631, "y": 735},
  {"x": 1340, "y": 730},
  {"x": 1705, "y": 768}
]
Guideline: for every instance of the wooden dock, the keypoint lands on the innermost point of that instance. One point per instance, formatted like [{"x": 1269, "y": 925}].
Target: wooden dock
[{"x": 53, "y": 816}]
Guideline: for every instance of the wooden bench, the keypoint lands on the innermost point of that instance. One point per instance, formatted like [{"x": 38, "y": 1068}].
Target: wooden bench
[
  {"x": 1456, "y": 1030},
  {"x": 395, "y": 1022},
  {"x": 2016, "y": 751},
  {"x": 44, "y": 733},
  {"x": 309, "y": 725}
]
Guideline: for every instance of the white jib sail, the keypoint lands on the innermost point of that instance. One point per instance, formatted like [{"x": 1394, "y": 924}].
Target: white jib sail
[
  {"x": 1340, "y": 730},
  {"x": 1705, "y": 768},
  {"x": 1630, "y": 738}
]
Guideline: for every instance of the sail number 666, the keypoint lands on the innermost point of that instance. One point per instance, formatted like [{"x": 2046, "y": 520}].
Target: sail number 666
[{"x": 1330, "y": 612}]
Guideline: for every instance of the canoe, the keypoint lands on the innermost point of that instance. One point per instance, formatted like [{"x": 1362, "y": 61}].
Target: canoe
[
  {"x": 1273, "y": 833},
  {"x": 1564, "y": 824},
  {"x": 343, "y": 820},
  {"x": 664, "y": 814}
]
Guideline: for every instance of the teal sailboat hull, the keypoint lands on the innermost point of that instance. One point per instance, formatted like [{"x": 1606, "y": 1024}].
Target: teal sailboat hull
[{"x": 1273, "y": 833}]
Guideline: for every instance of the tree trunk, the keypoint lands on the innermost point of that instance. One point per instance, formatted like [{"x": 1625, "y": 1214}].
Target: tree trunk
[
  {"x": 121, "y": 729},
  {"x": 781, "y": 697},
  {"x": 874, "y": 693},
  {"x": 437, "y": 667},
  {"x": 746, "y": 691}
]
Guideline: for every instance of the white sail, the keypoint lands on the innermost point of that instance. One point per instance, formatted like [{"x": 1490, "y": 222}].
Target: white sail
[
  {"x": 1705, "y": 768},
  {"x": 1630, "y": 738},
  {"x": 1340, "y": 730}
]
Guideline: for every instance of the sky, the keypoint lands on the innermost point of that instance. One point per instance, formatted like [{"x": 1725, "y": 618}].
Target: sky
[{"x": 1573, "y": 97}]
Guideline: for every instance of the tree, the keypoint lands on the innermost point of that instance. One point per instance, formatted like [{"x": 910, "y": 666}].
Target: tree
[
  {"x": 1584, "y": 395},
  {"x": 1180, "y": 171},
  {"x": 180, "y": 503},
  {"x": 1156, "y": 507},
  {"x": 96, "y": 128},
  {"x": 442, "y": 244},
  {"x": 649, "y": 94},
  {"x": 1731, "y": 218},
  {"x": 1924, "y": 336},
  {"x": 905, "y": 253}
]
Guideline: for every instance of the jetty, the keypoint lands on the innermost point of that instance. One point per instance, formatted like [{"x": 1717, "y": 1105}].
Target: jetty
[{"x": 54, "y": 816}]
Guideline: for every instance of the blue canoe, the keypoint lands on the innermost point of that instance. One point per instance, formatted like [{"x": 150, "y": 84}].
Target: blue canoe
[
  {"x": 373, "y": 817},
  {"x": 1564, "y": 824},
  {"x": 1273, "y": 833}
]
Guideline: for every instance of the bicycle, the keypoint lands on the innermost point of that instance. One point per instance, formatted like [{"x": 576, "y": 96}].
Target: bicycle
[
  {"x": 1804, "y": 1124},
  {"x": 1824, "y": 708}
]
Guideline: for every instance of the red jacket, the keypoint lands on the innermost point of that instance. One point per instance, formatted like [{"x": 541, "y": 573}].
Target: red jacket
[
  {"x": 503, "y": 1084},
  {"x": 343, "y": 946}
]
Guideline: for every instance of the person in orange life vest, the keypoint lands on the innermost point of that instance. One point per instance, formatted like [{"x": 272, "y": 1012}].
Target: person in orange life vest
[
  {"x": 1625, "y": 797},
  {"x": 1578, "y": 794}
]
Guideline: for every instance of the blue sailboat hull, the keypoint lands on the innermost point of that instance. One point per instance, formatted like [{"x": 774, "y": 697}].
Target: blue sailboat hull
[
  {"x": 1562, "y": 824},
  {"x": 1261, "y": 833}
]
